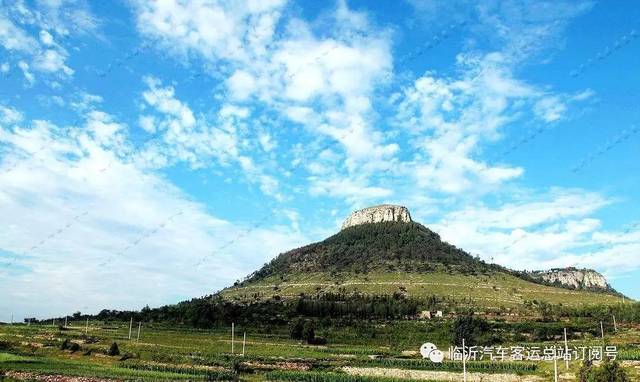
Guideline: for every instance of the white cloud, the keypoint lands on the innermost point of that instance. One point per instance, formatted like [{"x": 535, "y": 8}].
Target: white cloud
[
  {"x": 550, "y": 109},
  {"x": 52, "y": 61},
  {"x": 164, "y": 101},
  {"x": 9, "y": 115},
  {"x": 216, "y": 29},
  {"x": 241, "y": 84},
  {"x": 200, "y": 141},
  {"x": 325, "y": 83},
  {"x": 26, "y": 72},
  {"x": 267, "y": 142},
  {"x": 543, "y": 230},
  {"x": 46, "y": 38},
  {"x": 14, "y": 38},
  {"x": 451, "y": 118},
  {"x": 355, "y": 191},
  {"x": 94, "y": 205},
  {"x": 39, "y": 51}
]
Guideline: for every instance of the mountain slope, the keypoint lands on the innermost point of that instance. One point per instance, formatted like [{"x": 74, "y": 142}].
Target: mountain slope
[
  {"x": 399, "y": 258},
  {"x": 368, "y": 247}
]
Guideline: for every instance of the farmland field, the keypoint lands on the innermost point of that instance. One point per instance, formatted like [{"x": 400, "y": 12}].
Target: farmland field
[
  {"x": 497, "y": 291},
  {"x": 163, "y": 352}
]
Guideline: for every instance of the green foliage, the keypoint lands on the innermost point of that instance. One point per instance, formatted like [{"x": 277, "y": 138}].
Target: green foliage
[
  {"x": 211, "y": 375},
  {"x": 474, "y": 330},
  {"x": 609, "y": 371},
  {"x": 74, "y": 347},
  {"x": 369, "y": 246},
  {"x": 357, "y": 306},
  {"x": 419, "y": 364},
  {"x": 306, "y": 376},
  {"x": 113, "y": 350},
  {"x": 309, "y": 331},
  {"x": 295, "y": 328}
]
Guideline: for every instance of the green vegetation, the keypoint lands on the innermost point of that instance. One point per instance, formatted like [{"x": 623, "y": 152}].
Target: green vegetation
[
  {"x": 113, "y": 350},
  {"x": 481, "y": 366},
  {"x": 473, "y": 329},
  {"x": 298, "y": 376},
  {"x": 364, "y": 248},
  {"x": 607, "y": 372},
  {"x": 178, "y": 352}
]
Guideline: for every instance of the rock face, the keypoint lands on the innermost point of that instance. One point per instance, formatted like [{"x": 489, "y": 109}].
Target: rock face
[
  {"x": 377, "y": 214},
  {"x": 574, "y": 278}
]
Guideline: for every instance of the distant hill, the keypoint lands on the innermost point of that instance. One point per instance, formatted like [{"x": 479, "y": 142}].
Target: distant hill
[{"x": 382, "y": 252}]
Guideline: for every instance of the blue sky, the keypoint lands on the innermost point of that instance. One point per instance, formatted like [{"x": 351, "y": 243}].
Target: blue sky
[{"x": 155, "y": 151}]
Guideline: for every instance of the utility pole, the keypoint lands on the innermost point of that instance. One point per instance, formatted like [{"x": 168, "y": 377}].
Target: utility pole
[
  {"x": 615, "y": 325},
  {"x": 53, "y": 322},
  {"x": 139, "y": 327},
  {"x": 244, "y": 340},
  {"x": 602, "y": 330},
  {"x": 464, "y": 362},
  {"x": 130, "y": 325},
  {"x": 232, "y": 333},
  {"x": 65, "y": 321},
  {"x": 566, "y": 349},
  {"x": 11, "y": 318},
  {"x": 86, "y": 327}
]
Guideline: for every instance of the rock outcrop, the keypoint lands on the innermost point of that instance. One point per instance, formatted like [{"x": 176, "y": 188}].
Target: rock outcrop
[
  {"x": 378, "y": 214},
  {"x": 574, "y": 278}
]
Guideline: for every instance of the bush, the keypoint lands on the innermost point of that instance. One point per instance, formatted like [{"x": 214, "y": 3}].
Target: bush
[
  {"x": 113, "y": 350},
  {"x": 309, "y": 331},
  {"x": 295, "y": 329},
  {"x": 65, "y": 344},
  {"x": 607, "y": 372},
  {"x": 74, "y": 347},
  {"x": 474, "y": 330}
]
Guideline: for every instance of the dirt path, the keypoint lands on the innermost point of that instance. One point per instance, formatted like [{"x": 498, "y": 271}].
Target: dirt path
[
  {"x": 24, "y": 376},
  {"x": 438, "y": 375}
]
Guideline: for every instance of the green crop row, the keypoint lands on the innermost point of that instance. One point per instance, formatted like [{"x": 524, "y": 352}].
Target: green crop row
[
  {"x": 221, "y": 375},
  {"x": 525, "y": 367},
  {"x": 305, "y": 376}
]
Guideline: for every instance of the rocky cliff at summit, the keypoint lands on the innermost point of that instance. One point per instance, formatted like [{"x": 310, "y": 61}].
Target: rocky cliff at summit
[{"x": 378, "y": 214}]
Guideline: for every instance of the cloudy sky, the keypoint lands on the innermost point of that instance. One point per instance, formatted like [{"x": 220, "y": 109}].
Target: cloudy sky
[{"x": 151, "y": 152}]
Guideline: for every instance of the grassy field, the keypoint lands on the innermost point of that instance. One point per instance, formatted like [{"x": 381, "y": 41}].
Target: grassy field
[
  {"x": 497, "y": 291},
  {"x": 170, "y": 353}
]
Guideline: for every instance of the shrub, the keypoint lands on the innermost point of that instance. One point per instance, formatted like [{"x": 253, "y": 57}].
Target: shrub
[
  {"x": 295, "y": 329},
  {"x": 309, "y": 331},
  {"x": 74, "y": 347},
  {"x": 113, "y": 350},
  {"x": 474, "y": 330},
  {"x": 607, "y": 372},
  {"x": 65, "y": 344}
]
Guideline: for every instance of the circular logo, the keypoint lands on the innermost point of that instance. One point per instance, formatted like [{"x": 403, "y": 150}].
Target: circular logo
[
  {"x": 436, "y": 356},
  {"x": 426, "y": 349}
]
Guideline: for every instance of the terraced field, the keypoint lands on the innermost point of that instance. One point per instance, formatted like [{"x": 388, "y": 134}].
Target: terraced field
[{"x": 498, "y": 290}]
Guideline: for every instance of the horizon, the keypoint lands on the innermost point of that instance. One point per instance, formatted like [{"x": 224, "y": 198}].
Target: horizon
[{"x": 147, "y": 157}]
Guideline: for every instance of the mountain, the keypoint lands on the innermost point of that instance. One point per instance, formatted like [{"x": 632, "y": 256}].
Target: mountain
[{"x": 381, "y": 251}]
